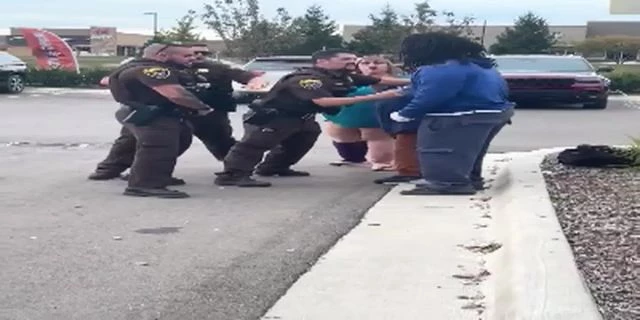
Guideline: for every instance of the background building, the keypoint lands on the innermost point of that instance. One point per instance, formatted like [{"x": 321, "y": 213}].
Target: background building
[
  {"x": 100, "y": 41},
  {"x": 107, "y": 41}
]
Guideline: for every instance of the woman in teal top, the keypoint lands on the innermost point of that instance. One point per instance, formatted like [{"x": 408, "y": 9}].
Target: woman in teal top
[
  {"x": 355, "y": 130},
  {"x": 356, "y": 116}
]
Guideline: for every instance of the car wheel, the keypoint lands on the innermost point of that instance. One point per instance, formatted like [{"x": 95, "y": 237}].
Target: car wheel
[
  {"x": 598, "y": 105},
  {"x": 15, "y": 84}
]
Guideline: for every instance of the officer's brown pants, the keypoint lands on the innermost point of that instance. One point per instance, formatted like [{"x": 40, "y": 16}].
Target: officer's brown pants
[
  {"x": 289, "y": 140},
  {"x": 120, "y": 155},
  {"x": 157, "y": 150},
  {"x": 123, "y": 150},
  {"x": 215, "y": 132}
]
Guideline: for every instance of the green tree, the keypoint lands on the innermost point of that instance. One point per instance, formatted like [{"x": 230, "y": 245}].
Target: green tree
[
  {"x": 185, "y": 29},
  {"x": 384, "y": 35},
  {"x": 231, "y": 20},
  {"x": 423, "y": 19},
  {"x": 267, "y": 37},
  {"x": 529, "y": 35},
  {"x": 159, "y": 37},
  {"x": 244, "y": 30},
  {"x": 388, "y": 29},
  {"x": 458, "y": 26},
  {"x": 312, "y": 32}
]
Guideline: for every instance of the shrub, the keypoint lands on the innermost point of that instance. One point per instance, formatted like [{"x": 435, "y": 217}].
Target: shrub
[
  {"x": 634, "y": 151},
  {"x": 87, "y": 78},
  {"x": 627, "y": 82}
]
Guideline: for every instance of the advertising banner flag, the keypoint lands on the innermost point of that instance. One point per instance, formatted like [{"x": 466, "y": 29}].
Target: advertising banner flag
[{"x": 50, "y": 51}]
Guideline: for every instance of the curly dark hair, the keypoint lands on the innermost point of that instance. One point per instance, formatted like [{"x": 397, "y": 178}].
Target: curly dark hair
[{"x": 429, "y": 48}]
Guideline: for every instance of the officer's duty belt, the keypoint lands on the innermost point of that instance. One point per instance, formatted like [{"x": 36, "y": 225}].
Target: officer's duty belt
[{"x": 303, "y": 116}]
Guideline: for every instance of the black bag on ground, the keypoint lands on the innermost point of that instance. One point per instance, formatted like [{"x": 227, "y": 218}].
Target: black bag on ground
[{"x": 593, "y": 156}]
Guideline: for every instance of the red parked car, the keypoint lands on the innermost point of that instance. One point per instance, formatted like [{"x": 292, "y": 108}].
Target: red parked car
[{"x": 549, "y": 79}]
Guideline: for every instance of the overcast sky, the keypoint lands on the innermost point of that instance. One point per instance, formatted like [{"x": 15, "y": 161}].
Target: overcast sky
[{"x": 127, "y": 15}]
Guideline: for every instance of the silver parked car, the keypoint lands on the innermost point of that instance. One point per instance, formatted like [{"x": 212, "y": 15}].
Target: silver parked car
[
  {"x": 13, "y": 72},
  {"x": 274, "y": 67}
]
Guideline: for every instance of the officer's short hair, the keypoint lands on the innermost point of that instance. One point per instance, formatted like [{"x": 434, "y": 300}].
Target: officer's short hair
[{"x": 327, "y": 54}]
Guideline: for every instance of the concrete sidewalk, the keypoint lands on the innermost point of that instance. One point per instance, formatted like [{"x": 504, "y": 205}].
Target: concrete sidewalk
[{"x": 447, "y": 257}]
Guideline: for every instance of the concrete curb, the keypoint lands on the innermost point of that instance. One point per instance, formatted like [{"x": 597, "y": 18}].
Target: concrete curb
[{"x": 535, "y": 275}]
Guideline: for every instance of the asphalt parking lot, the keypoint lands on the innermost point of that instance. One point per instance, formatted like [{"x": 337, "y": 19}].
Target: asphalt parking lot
[{"x": 77, "y": 249}]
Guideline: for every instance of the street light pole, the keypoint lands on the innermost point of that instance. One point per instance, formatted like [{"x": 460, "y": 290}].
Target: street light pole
[
  {"x": 155, "y": 21},
  {"x": 484, "y": 32}
]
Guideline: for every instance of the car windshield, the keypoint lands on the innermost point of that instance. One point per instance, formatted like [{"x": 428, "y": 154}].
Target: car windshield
[
  {"x": 528, "y": 65},
  {"x": 277, "y": 65},
  {"x": 7, "y": 58}
]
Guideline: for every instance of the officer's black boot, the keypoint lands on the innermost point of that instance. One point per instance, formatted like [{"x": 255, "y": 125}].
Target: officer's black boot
[
  {"x": 155, "y": 192},
  {"x": 103, "y": 175},
  {"x": 281, "y": 173},
  {"x": 239, "y": 179},
  {"x": 172, "y": 182}
]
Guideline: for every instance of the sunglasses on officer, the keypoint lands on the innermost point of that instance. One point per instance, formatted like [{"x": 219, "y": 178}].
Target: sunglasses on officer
[{"x": 203, "y": 53}]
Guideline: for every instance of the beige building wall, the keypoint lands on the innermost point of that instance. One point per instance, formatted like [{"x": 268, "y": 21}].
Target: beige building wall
[
  {"x": 131, "y": 39},
  {"x": 19, "y": 51}
]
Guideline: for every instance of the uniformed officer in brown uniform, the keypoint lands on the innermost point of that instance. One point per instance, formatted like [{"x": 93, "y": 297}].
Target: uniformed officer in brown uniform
[
  {"x": 153, "y": 91},
  {"x": 285, "y": 119},
  {"x": 213, "y": 129}
]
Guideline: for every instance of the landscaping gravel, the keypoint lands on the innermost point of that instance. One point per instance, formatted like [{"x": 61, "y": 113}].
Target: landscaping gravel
[{"x": 599, "y": 210}]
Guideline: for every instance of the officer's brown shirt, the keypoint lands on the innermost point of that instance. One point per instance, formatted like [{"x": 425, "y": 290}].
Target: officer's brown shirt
[
  {"x": 310, "y": 88},
  {"x": 138, "y": 83}
]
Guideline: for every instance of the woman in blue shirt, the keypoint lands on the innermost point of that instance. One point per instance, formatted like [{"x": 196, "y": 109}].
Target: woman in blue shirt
[
  {"x": 461, "y": 101},
  {"x": 355, "y": 130}
]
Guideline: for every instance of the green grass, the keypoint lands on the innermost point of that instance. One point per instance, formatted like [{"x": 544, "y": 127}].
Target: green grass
[{"x": 85, "y": 62}]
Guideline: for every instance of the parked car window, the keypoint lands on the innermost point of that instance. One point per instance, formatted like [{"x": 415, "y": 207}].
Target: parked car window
[
  {"x": 7, "y": 58},
  {"x": 533, "y": 64}
]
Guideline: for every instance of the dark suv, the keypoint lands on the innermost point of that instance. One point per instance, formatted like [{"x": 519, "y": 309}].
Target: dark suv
[
  {"x": 547, "y": 79},
  {"x": 12, "y": 73}
]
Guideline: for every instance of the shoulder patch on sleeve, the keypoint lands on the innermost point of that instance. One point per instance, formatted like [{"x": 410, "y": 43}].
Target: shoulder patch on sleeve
[
  {"x": 157, "y": 73},
  {"x": 310, "y": 84}
]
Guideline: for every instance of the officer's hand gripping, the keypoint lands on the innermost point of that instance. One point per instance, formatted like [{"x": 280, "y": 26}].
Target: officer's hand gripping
[{"x": 256, "y": 84}]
